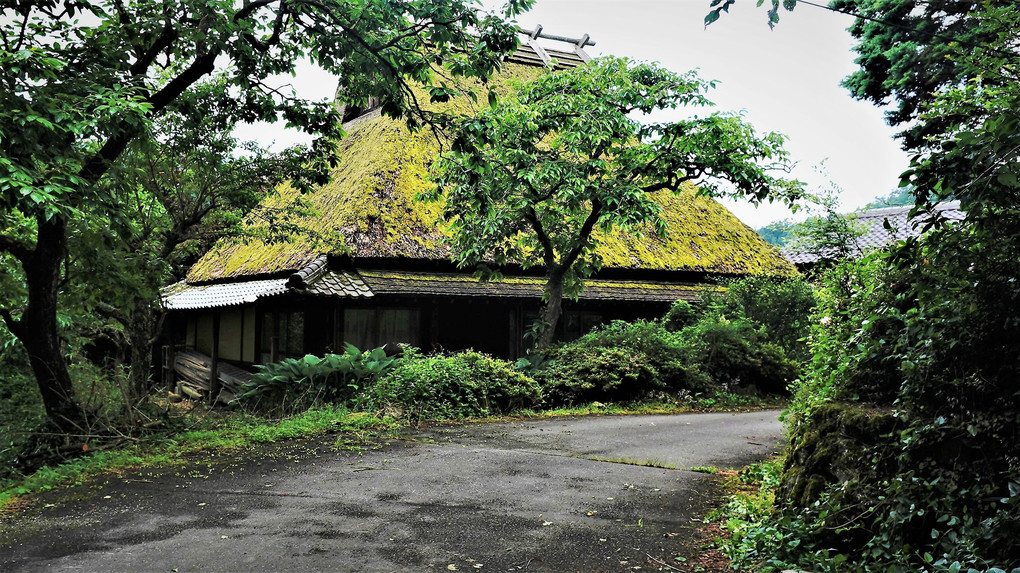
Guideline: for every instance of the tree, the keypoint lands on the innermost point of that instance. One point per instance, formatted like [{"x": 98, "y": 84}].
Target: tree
[
  {"x": 777, "y": 233},
  {"x": 827, "y": 233},
  {"x": 908, "y": 52},
  {"x": 83, "y": 79},
  {"x": 932, "y": 329},
  {"x": 531, "y": 180},
  {"x": 180, "y": 187}
]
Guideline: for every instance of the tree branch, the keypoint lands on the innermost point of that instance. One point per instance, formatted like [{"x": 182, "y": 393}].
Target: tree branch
[
  {"x": 12, "y": 325},
  {"x": 99, "y": 163},
  {"x": 167, "y": 37},
  {"x": 586, "y": 230},
  {"x": 250, "y": 8},
  {"x": 548, "y": 252},
  {"x": 19, "y": 249},
  {"x": 110, "y": 311},
  {"x": 274, "y": 38}
]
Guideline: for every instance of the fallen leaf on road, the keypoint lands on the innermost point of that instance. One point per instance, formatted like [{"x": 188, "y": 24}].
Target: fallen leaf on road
[
  {"x": 546, "y": 523},
  {"x": 451, "y": 567}
]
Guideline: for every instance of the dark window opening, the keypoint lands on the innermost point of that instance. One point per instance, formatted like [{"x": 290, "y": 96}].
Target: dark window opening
[
  {"x": 372, "y": 327},
  {"x": 283, "y": 335}
]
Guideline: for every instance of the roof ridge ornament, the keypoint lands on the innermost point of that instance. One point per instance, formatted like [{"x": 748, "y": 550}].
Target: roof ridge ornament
[
  {"x": 532, "y": 36},
  {"x": 302, "y": 278},
  {"x": 539, "y": 33}
]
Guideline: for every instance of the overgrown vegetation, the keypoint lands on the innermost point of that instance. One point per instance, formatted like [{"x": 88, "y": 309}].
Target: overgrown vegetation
[
  {"x": 191, "y": 434},
  {"x": 905, "y": 452},
  {"x": 294, "y": 384},
  {"x": 903, "y": 446},
  {"x": 461, "y": 385},
  {"x": 648, "y": 366},
  {"x": 745, "y": 338}
]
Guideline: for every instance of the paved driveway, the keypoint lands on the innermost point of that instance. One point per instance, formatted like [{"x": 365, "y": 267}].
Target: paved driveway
[{"x": 584, "y": 494}]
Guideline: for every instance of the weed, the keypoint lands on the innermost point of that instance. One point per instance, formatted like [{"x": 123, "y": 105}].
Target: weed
[
  {"x": 644, "y": 463},
  {"x": 232, "y": 432}
]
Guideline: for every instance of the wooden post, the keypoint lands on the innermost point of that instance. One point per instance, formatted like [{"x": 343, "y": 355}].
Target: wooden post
[
  {"x": 214, "y": 375},
  {"x": 434, "y": 325}
]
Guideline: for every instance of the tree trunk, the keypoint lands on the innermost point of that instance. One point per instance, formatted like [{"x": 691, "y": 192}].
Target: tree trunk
[
  {"x": 141, "y": 332},
  {"x": 37, "y": 327},
  {"x": 553, "y": 308}
]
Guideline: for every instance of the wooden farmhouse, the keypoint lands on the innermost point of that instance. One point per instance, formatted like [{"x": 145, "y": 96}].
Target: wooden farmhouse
[{"x": 373, "y": 266}]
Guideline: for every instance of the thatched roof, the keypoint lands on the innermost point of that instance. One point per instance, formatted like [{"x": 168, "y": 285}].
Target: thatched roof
[{"x": 369, "y": 210}]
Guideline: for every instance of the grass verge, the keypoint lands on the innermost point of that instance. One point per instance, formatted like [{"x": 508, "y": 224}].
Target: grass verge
[
  {"x": 216, "y": 433},
  {"x": 746, "y": 519},
  {"x": 212, "y": 431}
]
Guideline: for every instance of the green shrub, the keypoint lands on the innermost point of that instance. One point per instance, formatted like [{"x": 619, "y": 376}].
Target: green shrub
[
  {"x": 679, "y": 316},
  {"x": 585, "y": 373},
  {"x": 296, "y": 383},
  {"x": 779, "y": 308},
  {"x": 467, "y": 384},
  {"x": 666, "y": 352},
  {"x": 733, "y": 353},
  {"x": 621, "y": 361},
  {"x": 927, "y": 334}
]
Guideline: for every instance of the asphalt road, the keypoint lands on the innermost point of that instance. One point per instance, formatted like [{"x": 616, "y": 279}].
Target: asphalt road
[{"x": 584, "y": 494}]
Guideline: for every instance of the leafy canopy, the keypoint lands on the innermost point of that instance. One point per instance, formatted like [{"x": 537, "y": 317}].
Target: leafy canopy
[
  {"x": 83, "y": 79},
  {"x": 530, "y": 180}
]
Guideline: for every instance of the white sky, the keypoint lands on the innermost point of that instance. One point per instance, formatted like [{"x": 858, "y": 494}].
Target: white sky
[{"x": 784, "y": 80}]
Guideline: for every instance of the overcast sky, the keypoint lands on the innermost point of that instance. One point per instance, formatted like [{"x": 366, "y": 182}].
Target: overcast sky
[{"x": 784, "y": 80}]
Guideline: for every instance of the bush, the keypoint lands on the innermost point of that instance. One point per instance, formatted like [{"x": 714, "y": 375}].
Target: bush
[
  {"x": 679, "y": 316},
  {"x": 467, "y": 384},
  {"x": 621, "y": 361},
  {"x": 926, "y": 335},
  {"x": 297, "y": 383},
  {"x": 733, "y": 353},
  {"x": 583, "y": 373},
  {"x": 712, "y": 346},
  {"x": 667, "y": 352},
  {"x": 779, "y": 308}
]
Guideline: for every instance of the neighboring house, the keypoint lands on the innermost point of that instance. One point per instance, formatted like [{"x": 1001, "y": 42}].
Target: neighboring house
[
  {"x": 875, "y": 232},
  {"x": 378, "y": 269}
]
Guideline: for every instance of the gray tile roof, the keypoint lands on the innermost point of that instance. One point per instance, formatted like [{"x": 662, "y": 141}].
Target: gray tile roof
[
  {"x": 463, "y": 285},
  {"x": 322, "y": 281},
  {"x": 182, "y": 296},
  {"x": 315, "y": 279},
  {"x": 340, "y": 284},
  {"x": 877, "y": 236}
]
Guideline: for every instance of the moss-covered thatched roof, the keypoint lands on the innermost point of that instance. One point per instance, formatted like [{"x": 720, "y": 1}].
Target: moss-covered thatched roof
[{"x": 369, "y": 210}]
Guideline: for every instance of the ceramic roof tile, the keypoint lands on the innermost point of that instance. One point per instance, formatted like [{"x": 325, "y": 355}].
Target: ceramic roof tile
[
  {"x": 321, "y": 281},
  {"x": 182, "y": 296},
  {"x": 877, "y": 236},
  {"x": 460, "y": 285},
  {"x": 341, "y": 284}
]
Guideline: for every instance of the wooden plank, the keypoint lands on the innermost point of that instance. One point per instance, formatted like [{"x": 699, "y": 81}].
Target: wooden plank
[
  {"x": 195, "y": 370},
  {"x": 214, "y": 378}
]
